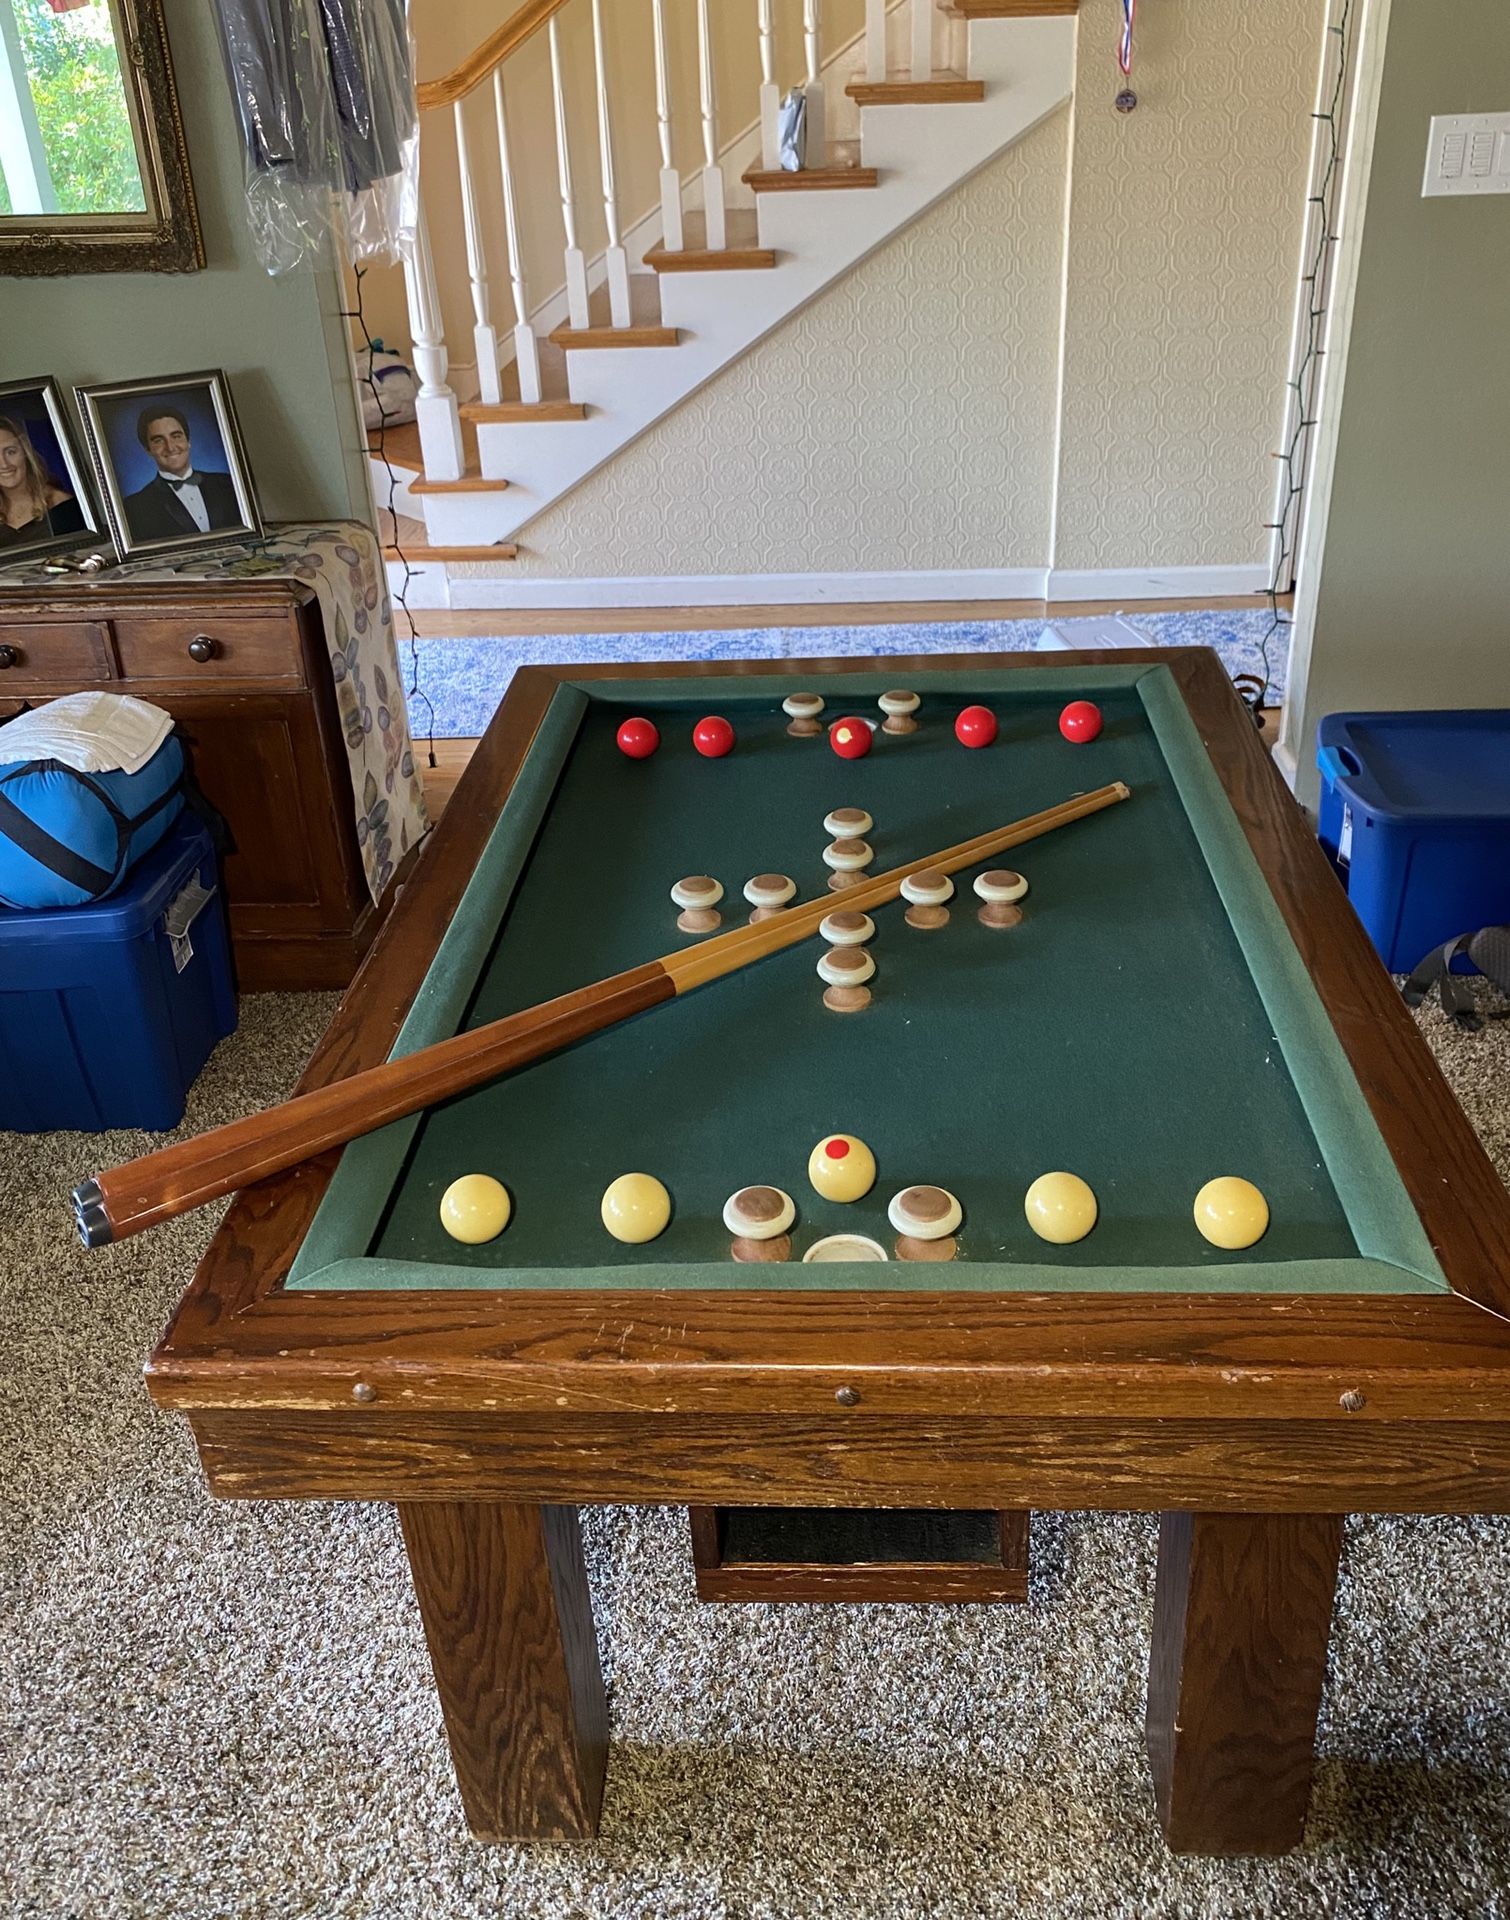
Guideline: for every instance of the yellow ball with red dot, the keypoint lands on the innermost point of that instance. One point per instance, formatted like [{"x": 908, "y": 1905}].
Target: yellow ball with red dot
[
  {"x": 636, "y": 1208},
  {"x": 1231, "y": 1213},
  {"x": 1060, "y": 1207},
  {"x": 475, "y": 1209},
  {"x": 841, "y": 1167}
]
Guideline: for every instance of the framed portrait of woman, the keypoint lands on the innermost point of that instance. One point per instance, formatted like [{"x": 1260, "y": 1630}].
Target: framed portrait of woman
[{"x": 45, "y": 501}]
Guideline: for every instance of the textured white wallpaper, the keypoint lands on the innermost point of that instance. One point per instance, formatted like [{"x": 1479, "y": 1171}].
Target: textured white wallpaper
[
  {"x": 903, "y": 420},
  {"x": 1185, "y": 227},
  {"x": 906, "y": 419}
]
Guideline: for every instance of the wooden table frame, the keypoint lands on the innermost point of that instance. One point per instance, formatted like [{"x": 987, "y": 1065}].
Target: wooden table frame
[{"x": 1252, "y": 1423}]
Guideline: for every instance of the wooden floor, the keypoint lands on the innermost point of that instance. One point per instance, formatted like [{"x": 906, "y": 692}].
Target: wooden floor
[{"x": 465, "y": 623}]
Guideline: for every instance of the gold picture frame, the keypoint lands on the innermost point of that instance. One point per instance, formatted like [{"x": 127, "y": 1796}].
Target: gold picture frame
[{"x": 165, "y": 237}]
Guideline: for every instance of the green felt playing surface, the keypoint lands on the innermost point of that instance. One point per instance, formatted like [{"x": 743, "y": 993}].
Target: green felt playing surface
[{"x": 1117, "y": 1032}]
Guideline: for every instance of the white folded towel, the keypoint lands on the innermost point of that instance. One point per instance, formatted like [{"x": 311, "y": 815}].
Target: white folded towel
[{"x": 90, "y": 732}]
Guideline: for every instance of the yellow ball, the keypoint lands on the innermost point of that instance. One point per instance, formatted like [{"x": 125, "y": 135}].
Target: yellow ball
[
  {"x": 636, "y": 1207},
  {"x": 841, "y": 1167},
  {"x": 475, "y": 1208},
  {"x": 1060, "y": 1207},
  {"x": 1231, "y": 1213}
]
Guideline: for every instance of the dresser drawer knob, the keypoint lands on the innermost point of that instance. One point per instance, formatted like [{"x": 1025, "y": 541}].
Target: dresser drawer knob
[
  {"x": 11, "y": 656},
  {"x": 203, "y": 648}
]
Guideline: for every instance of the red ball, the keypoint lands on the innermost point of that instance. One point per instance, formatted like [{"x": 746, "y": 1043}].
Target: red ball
[
  {"x": 713, "y": 737},
  {"x": 638, "y": 737},
  {"x": 850, "y": 738},
  {"x": 975, "y": 727},
  {"x": 1080, "y": 721}
]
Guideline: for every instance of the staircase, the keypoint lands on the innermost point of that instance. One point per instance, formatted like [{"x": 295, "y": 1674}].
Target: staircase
[{"x": 897, "y": 119}]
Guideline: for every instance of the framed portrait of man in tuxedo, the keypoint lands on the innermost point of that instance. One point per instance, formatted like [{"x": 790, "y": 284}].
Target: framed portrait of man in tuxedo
[{"x": 172, "y": 471}]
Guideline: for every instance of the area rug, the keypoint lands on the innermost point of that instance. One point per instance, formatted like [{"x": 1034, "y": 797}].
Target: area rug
[{"x": 456, "y": 685}]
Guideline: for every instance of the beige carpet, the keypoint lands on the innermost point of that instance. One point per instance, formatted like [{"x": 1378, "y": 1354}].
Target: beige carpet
[{"x": 214, "y": 1710}]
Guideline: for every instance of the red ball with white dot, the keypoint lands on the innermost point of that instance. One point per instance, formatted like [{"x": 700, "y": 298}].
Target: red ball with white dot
[
  {"x": 850, "y": 738},
  {"x": 638, "y": 738},
  {"x": 713, "y": 737},
  {"x": 975, "y": 727},
  {"x": 1080, "y": 721}
]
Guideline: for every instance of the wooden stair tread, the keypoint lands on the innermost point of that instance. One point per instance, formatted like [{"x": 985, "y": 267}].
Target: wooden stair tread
[
  {"x": 830, "y": 177},
  {"x": 941, "y": 89},
  {"x": 1008, "y": 9},
  {"x": 399, "y": 446},
  {"x": 472, "y": 481},
  {"x": 405, "y": 538},
  {"x": 416, "y": 550},
  {"x": 610, "y": 336},
  {"x": 645, "y": 328},
  {"x": 742, "y": 253},
  {"x": 523, "y": 412}
]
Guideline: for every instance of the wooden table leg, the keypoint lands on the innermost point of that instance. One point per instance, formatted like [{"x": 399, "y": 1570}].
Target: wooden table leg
[
  {"x": 1242, "y": 1611},
  {"x": 503, "y": 1593}
]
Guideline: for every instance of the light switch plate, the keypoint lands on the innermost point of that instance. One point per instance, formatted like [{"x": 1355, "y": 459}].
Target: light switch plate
[{"x": 1468, "y": 153}]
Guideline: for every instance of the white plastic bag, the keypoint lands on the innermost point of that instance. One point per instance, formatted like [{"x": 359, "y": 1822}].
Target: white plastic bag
[
  {"x": 387, "y": 387},
  {"x": 791, "y": 131}
]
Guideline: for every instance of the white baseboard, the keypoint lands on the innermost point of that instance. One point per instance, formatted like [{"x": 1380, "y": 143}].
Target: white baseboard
[
  {"x": 816, "y": 589},
  {"x": 1155, "y": 583},
  {"x": 749, "y": 589}
]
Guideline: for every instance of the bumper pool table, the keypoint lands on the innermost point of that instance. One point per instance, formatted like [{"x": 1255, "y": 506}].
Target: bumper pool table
[{"x": 1186, "y": 994}]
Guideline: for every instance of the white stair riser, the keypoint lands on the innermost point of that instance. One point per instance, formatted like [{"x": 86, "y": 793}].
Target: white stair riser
[
  {"x": 465, "y": 519},
  {"x": 428, "y": 583},
  {"x": 403, "y": 501}
]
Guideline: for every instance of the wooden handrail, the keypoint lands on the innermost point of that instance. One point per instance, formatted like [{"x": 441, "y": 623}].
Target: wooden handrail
[{"x": 481, "y": 61}]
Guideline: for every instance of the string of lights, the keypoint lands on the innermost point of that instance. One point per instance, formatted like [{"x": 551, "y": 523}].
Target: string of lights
[
  {"x": 414, "y": 691},
  {"x": 1304, "y": 383}
]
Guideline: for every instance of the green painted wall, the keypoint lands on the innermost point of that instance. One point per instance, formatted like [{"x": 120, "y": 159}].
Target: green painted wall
[
  {"x": 280, "y": 341},
  {"x": 1414, "y": 596}
]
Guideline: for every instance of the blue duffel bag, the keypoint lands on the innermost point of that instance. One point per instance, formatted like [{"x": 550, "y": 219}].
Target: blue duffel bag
[{"x": 67, "y": 838}]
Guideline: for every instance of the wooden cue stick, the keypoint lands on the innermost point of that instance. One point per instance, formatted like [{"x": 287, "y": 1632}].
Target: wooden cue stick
[{"x": 159, "y": 1186}]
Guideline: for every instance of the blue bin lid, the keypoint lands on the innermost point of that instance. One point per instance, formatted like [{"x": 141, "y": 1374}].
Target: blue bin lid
[
  {"x": 1420, "y": 766},
  {"x": 128, "y": 912}
]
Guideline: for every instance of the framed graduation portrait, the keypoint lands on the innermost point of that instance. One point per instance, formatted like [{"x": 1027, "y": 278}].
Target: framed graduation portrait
[
  {"x": 171, "y": 467},
  {"x": 46, "y": 505}
]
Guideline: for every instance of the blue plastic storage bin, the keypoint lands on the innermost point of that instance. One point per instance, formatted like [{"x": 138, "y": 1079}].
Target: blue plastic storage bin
[
  {"x": 1415, "y": 812},
  {"x": 108, "y": 1012}
]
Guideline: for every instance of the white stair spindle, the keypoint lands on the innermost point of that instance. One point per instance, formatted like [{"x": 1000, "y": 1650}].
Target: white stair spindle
[
  {"x": 615, "y": 260},
  {"x": 435, "y": 408},
  {"x": 713, "y": 180},
  {"x": 922, "y": 39},
  {"x": 812, "y": 38},
  {"x": 484, "y": 335},
  {"x": 671, "y": 180},
  {"x": 875, "y": 40},
  {"x": 576, "y": 266},
  {"x": 770, "y": 93},
  {"x": 526, "y": 346}
]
